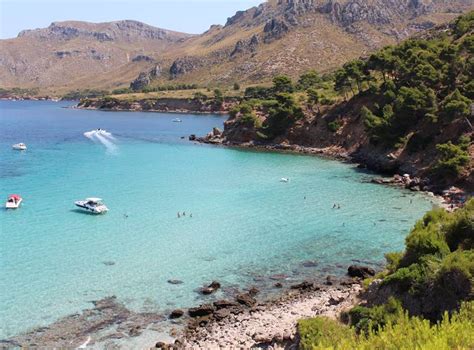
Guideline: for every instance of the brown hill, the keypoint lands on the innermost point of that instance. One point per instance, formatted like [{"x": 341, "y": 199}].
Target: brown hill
[{"x": 278, "y": 36}]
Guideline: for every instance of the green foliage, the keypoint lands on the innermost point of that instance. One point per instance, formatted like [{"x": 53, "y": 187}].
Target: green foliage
[
  {"x": 335, "y": 125},
  {"x": 236, "y": 86},
  {"x": 218, "y": 96},
  {"x": 455, "y": 331},
  {"x": 282, "y": 116},
  {"x": 453, "y": 158},
  {"x": 464, "y": 24},
  {"x": 439, "y": 258},
  {"x": 310, "y": 79},
  {"x": 258, "y": 92},
  {"x": 245, "y": 113},
  {"x": 87, "y": 93},
  {"x": 176, "y": 87},
  {"x": 282, "y": 84},
  {"x": 121, "y": 91},
  {"x": 365, "y": 319},
  {"x": 393, "y": 261},
  {"x": 456, "y": 106},
  {"x": 199, "y": 96}
]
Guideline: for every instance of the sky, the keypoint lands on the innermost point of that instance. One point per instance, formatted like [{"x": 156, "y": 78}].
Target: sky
[{"x": 190, "y": 16}]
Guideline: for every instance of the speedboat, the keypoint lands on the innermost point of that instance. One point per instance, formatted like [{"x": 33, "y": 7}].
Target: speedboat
[
  {"x": 177, "y": 120},
  {"x": 13, "y": 201},
  {"x": 92, "y": 205},
  {"x": 284, "y": 179},
  {"x": 19, "y": 146}
]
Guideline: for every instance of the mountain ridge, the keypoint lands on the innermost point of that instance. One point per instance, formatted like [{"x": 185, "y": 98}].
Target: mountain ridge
[{"x": 277, "y": 36}]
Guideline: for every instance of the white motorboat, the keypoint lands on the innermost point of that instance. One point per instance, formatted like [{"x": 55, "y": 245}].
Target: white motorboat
[
  {"x": 177, "y": 120},
  {"x": 13, "y": 201},
  {"x": 92, "y": 205},
  {"x": 284, "y": 179},
  {"x": 19, "y": 146}
]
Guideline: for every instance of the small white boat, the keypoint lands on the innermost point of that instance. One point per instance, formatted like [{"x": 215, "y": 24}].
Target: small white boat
[
  {"x": 13, "y": 201},
  {"x": 93, "y": 205},
  {"x": 285, "y": 179},
  {"x": 177, "y": 120},
  {"x": 19, "y": 146}
]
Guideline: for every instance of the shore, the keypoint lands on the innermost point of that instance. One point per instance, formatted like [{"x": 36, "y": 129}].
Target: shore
[{"x": 273, "y": 323}]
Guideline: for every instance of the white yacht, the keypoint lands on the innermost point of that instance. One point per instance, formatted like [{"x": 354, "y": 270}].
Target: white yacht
[
  {"x": 177, "y": 120},
  {"x": 19, "y": 146},
  {"x": 93, "y": 205},
  {"x": 13, "y": 201},
  {"x": 285, "y": 179}
]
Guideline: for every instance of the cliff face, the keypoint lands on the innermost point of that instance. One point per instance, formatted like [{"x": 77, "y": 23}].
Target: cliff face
[{"x": 278, "y": 36}]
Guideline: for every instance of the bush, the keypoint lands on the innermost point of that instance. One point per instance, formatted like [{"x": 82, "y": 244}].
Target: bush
[
  {"x": 453, "y": 158},
  {"x": 455, "y": 331},
  {"x": 335, "y": 125},
  {"x": 236, "y": 86}
]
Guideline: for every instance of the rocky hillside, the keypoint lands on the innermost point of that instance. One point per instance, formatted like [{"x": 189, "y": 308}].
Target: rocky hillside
[
  {"x": 278, "y": 36},
  {"x": 69, "y": 55}
]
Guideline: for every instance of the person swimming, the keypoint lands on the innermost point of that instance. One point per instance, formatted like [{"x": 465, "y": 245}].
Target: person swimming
[{"x": 179, "y": 215}]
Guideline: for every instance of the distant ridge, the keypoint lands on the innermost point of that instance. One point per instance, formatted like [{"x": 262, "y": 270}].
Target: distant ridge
[{"x": 278, "y": 36}]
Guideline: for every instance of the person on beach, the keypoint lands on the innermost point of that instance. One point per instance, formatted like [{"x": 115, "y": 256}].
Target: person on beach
[
  {"x": 179, "y": 215},
  {"x": 184, "y": 213},
  {"x": 334, "y": 206}
]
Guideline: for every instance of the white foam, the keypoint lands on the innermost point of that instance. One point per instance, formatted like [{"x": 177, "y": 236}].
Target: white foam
[{"x": 104, "y": 137}]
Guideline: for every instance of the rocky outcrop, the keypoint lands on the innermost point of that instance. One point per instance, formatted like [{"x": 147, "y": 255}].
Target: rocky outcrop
[
  {"x": 142, "y": 58},
  {"x": 245, "y": 46},
  {"x": 144, "y": 78},
  {"x": 275, "y": 29},
  {"x": 184, "y": 65}
]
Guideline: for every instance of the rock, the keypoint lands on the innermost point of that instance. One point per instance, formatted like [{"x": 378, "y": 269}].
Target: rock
[
  {"x": 176, "y": 313},
  {"x": 183, "y": 66},
  {"x": 142, "y": 58},
  {"x": 175, "y": 282},
  {"x": 214, "y": 286},
  {"x": 360, "y": 271},
  {"x": 223, "y": 304},
  {"x": 140, "y": 82},
  {"x": 163, "y": 346},
  {"x": 221, "y": 314},
  {"x": 278, "y": 285},
  {"x": 216, "y": 132},
  {"x": 275, "y": 29},
  {"x": 202, "y": 310},
  {"x": 135, "y": 331},
  {"x": 246, "y": 299},
  {"x": 305, "y": 285},
  {"x": 260, "y": 337},
  {"x": 192, "y": 137},
  {"x": 335, "y": 301},
  {"x": 329, "y": 281},
  {"x": 253, "y": 291},
  {"x": 309, "y": 263}
]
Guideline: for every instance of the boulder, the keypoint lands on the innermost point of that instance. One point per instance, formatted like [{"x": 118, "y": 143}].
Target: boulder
[
  {"x": 221, "y": 314},
  {"x": 202, "y": 310},
  {"x": 176, "y": 313},
  {"x": 305, "y": 285},
  {"x": 253, "y": 291},
  {"x": 246, "y": 299},
  {"x": 224, "y": 304},
  {"x": 192, "y": 137},
  {"x": 214, "y": 286},
  {"x": 360, "y": 271}
]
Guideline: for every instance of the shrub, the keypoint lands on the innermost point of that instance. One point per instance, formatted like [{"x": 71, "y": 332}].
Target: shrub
[
  {"x": 282, "y": 84},
  {"x": 335, "y": 125},
  {"x": 455, "y": 331},
  {"x": 453, "y": 158},
  {"x": 236, "y": 86}
]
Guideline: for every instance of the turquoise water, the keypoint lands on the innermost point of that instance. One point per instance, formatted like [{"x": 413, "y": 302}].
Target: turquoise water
[{"x": 245, "y": 225}]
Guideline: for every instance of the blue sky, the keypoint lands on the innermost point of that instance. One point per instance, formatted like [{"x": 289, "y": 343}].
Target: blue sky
[{"x": 191, "y": 16}]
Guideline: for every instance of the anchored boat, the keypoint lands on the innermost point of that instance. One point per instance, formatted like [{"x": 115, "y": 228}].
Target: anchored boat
[
  {"x": 13, "y": 201},
  {"x": 92, "y": 205}
]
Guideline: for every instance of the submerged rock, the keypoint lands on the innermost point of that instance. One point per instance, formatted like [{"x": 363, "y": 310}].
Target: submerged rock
[
  {"x": 213, "y": 287},
  {"x": 175, "y": 282}
]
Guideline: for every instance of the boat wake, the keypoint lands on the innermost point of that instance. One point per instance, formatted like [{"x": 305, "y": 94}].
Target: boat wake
[{"x": 103, "y": 137}]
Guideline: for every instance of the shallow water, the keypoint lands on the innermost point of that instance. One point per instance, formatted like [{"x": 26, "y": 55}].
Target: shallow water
[{"x": 246, "y": 225}]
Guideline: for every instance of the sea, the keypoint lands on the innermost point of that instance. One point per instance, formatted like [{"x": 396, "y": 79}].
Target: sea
[{"x": 238, "y": 223}]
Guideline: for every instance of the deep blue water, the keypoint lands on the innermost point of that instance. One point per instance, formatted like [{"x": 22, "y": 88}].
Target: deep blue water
[{"x": 246, "y": 225}]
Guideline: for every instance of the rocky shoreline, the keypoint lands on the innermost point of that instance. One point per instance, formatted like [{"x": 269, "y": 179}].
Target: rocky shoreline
[
  {"x": 268, "y": 324},
  {"x": 241, "y": 320}
]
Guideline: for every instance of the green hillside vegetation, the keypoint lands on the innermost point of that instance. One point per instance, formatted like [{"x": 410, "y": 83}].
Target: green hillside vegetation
[
  {"x": 455, "y": 331},
  {"x": 427, "y": 283}
]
